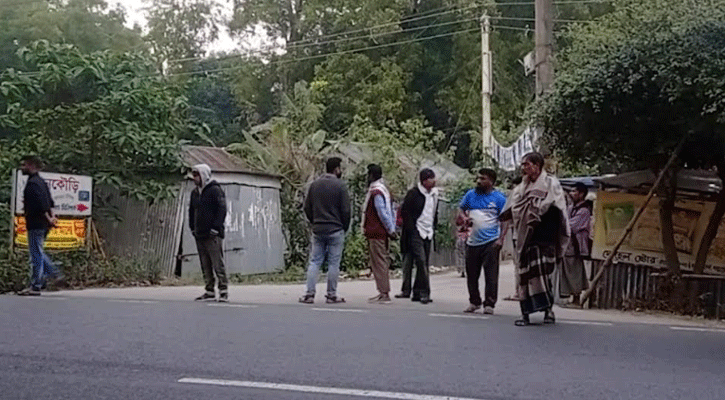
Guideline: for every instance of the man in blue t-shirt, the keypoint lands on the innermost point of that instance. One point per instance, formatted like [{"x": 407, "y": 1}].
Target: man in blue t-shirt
[{"x": 480, "y": 209}]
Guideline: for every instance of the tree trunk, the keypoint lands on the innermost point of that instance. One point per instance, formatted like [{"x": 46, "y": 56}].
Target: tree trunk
[
  {"x": 667, "y": 207},
  {"x": 712, "y": 225}
]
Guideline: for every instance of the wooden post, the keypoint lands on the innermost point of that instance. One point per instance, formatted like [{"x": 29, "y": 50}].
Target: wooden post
[{"x": 630, "y": 226}]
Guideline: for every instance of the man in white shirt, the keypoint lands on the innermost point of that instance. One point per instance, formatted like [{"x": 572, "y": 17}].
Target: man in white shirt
[{"x": 419, "y": 213}]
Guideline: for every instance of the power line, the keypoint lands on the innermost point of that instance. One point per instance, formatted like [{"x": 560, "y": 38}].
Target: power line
[
  {"x": 389, "y": 24},
  {"x": 323, "y": 55},
  {"x": 340, "y": 52}
]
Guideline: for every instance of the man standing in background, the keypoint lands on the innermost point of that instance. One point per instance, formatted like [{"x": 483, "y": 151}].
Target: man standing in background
[
  {"x": 39, "y": 218},
  {"x": 480, "y": 209},
  {"x": 378, "y": 227},
  {"x": 207, "y": 211},
  {"x": 420, "y": 218},
  {"x": 573, "y": 274},
  {"x": 327, "y": 207}
]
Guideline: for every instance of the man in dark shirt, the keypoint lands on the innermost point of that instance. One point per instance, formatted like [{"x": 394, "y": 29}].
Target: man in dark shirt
[
  {"x": 207, "y": 212},
  {"x": 39, "y": 218},
  {"x": 327, "y": 207}
]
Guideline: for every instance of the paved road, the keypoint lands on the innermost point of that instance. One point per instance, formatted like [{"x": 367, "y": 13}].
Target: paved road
[{"x": 62, "y": 347}]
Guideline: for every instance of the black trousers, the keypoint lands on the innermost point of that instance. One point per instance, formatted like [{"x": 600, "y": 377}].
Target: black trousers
[
  {"x": 482, "y": 257},
  {"x": 417, "y": 256},
  {"x": 211, "y": 256}
]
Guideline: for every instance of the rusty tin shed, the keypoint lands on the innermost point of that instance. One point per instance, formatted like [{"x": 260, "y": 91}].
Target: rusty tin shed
[{"x": 159, "y": 234}]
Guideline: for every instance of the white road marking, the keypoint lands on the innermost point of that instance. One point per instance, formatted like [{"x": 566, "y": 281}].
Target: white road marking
[
  {"x": 692, "y": 329},
  {"x": 50, "y": 297},
  {"x": 133, "y": 301},
  {"x": 231, "y": 305},
  {"x": 458, "y": 316},
  {"x": 350, "y": 310},
  {"x": 574, "y": 322},
  {"x": 320, "y": 389}
]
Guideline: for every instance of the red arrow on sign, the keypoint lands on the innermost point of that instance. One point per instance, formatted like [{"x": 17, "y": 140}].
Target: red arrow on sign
[{"x": 81, "y": 207}]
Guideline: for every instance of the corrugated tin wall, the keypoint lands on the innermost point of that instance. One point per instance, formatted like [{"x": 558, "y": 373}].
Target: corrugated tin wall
[
  {"x": 156, "y": 234},
  {"x": 253, "y": 242},
  {"x": 133, "y": 228}
]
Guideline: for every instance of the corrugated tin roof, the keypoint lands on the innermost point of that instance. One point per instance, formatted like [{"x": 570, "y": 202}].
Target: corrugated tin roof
[
  {"x": 687, "y": 180},
  {"x": 218, "y": 159}
]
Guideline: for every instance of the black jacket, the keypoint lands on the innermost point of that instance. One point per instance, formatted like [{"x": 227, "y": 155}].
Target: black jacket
[
  {"x": 327, "y": 205},
  {"x": 37, "y": 201},
  {"x": 207, "y": 210},
  {"x": 410, "y": 211}
]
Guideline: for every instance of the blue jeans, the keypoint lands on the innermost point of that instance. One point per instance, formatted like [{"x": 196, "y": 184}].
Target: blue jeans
[
  {"x": 325, "y": 247},
  {"x": 42, "y": 266}
]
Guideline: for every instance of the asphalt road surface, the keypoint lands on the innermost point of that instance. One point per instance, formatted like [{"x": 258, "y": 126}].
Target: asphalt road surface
[{"x": 80, "y": 348}]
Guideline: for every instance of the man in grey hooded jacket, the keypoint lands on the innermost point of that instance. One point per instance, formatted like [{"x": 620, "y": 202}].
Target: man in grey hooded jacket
[{"x": 207, "y": 211}]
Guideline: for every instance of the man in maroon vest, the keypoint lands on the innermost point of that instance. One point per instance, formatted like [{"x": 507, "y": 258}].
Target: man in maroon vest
[{"x": 378, "y": 226}]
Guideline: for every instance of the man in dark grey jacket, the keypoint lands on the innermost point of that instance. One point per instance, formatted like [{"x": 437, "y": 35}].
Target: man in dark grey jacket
[
  {"x": 207, "y": 211},
  {"x": 327, "y": 207}
]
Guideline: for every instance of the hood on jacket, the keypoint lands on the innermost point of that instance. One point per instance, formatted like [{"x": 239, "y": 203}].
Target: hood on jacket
[{"x": 204, "y": 172}]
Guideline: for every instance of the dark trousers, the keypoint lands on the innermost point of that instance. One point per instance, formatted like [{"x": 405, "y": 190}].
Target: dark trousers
[
  {"x": 211, "y": 256},
  {"x": 417, "y": 256},
  {"x": 482, "y": 257}
]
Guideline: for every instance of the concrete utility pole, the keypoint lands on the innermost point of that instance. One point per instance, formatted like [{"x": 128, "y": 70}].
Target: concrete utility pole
[
  {"x": 544, "y": 38},
  {"x": 486, "y": 86}
]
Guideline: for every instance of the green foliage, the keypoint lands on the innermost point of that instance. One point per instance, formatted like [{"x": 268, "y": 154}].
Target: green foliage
[
  {"x": 102, "y": 114},
  {"x": 634, "y": 104},
  {"x": 81, "y": 269},
  {"x": 91, "y": 25},
  {"x": 178, "y": 30},
  {"x": 355, "y": 257}
]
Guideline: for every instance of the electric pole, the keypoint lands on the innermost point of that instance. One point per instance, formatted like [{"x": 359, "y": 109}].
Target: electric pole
[
  {"x": 544, "y": 39},
  {"x": 486, "y": 86}
]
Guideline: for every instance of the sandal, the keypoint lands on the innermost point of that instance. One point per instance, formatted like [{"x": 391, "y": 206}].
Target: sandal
[
  {"x": 524, "y": 321},
  {"x": 334, "y": 299},
  {"x": 549, "y": 317}
]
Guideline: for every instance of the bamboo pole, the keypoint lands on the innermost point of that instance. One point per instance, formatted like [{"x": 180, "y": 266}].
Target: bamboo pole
[{"x": 610, "y": 259}]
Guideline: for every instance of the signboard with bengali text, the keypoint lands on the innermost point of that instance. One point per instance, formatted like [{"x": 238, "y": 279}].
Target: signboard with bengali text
[
  {"x": 643, "y": 246},
  {"x": 69, "y": 234},
  {"x": 72, "y": 194}
]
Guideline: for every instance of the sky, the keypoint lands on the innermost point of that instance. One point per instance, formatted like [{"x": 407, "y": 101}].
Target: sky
[{"x": 135, "y": 15}]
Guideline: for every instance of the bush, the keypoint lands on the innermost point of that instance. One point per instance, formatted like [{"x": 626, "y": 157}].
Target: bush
[{"x": 82, "y": 269}]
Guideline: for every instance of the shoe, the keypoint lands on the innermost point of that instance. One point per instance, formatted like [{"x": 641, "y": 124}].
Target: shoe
[
  {"x": 334, "y": 299},
  {"x": 402, "y": 296},
  {"x": 205, "y": 296},
  {"x": 375, "y": 299},
  {"x": 471, "y": 309},
  {"x": 307, "y": 299},
  {"x": 425, "y": 300},
  {"x": 488, "y": 310},
  {"x": 415, "y": 298},
  {"x": 385, "y": 299},
  {"x": 223, "y": 298},
  {"x": 29, "y": 291},
  {"x": 524, "y": 321}
]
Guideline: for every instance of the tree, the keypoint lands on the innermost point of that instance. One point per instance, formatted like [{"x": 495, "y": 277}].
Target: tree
[
  {"x": 633, "y": 104},
  {"x": 91, "y": 25},
  {"x": 112, "y": 116},
  {"x": 179, "y": 29}
]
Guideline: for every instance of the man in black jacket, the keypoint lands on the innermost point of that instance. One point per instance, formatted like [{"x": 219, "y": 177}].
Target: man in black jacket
[
  {"x": 420, "y": 218},
  {"x": 39, "y": 218},
  {"x": 207, "y": 211},
  {"x": 327, "y": 207}
]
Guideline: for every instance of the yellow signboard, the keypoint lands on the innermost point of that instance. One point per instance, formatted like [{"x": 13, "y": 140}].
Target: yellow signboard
[
  {"x": 643, "y": 246},
  {"x": 67, "y": 235}
]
